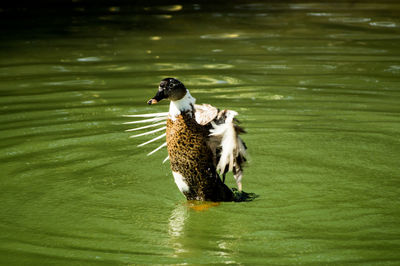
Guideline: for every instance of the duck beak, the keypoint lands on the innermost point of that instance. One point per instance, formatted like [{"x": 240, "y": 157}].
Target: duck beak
[
  {"x": 159, "y": 96},
  {"x": 152, "y": 101}
]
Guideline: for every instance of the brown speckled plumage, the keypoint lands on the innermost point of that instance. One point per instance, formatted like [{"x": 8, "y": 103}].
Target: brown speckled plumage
[{"x": 190, "y": 156}]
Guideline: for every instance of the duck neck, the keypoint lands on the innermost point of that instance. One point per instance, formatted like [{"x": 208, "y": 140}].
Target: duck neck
[{"x": 183, "y": 105}]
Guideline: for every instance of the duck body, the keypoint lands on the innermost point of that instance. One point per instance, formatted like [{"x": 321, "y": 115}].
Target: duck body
[
  {"x": 201, "y": 140},
  {"x": 192, "y": 161}
]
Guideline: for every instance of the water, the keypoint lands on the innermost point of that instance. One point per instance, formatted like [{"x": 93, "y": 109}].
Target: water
[{"x": 317, "y": 88}]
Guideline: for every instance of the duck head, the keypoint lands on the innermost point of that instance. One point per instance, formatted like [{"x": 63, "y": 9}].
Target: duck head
[{"x": 171, "y": 89}]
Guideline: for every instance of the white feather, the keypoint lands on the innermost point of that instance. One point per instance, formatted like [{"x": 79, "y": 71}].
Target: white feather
[
  {"x": 155, "y": 119},
  {"x": 148, "y": 132},
  {"x": 229, "y": 141},
  {"x": 182, "y": 105},
  {"x": 166, "y": 159},
  {"x": 180, "y": 182},
  {"x": 150, "y": 141},
  {"x": 159, "y": 147},
  {"x": 140, "y": 128},
  {"x": 148, "y": 115}
]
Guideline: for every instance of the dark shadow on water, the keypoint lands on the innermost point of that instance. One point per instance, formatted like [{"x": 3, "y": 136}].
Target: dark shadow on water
[{"x": 241, "y": 196}]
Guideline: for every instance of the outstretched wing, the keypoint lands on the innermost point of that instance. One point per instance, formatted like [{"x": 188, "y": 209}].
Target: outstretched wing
[
  {"x": 228, "y": 148},
  {"x": 231, "y": 149},
  {"x": 154, "y": 120}
]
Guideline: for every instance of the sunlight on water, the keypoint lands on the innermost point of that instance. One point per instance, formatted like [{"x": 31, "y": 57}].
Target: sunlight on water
[
  {"x": 221, "y": 36},
  {"x": 316, "y": 86}
]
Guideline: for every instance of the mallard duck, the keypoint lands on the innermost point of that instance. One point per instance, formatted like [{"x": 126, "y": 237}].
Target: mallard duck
[{"x": 202, "y": 142}]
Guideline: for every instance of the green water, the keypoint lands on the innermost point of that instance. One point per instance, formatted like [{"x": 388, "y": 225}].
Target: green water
[{"x": 317, "y": 87}]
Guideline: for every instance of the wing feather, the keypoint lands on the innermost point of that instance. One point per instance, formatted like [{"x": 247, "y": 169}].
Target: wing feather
[
  {"x": 228, "y": 148},
  {"x": 205, "y": 113},
  {"x": 153, "y": 120}
]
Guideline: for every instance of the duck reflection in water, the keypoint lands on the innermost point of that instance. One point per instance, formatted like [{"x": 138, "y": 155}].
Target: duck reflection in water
[{"x": 184, "y": 226}]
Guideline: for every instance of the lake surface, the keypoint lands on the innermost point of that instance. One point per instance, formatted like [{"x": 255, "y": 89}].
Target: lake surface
[{"x": 316, "y": 85}]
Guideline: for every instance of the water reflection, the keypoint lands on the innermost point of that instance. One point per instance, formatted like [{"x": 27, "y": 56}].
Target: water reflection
[
  {"x": 349, "y": 19},
  {"x": 61, "y": 69},
  {"x": 184, "y": 224},
  {"x": 393, "y": 69},
  {"x": 221, "y": 36},
  {"x": 155, "y": 38},
  {"x": 207, "y": 80},
  {"x": 171, "y": 8},
  {"x": 176, "y": 228},
  {"x": 252, "y": 96},
  {"x": 88, "y": 59},
  {"x": 163, "y": 16},
  {"x": 70, "y": 83},
  {"x": 182, "y": 66},
  {"x": 386, "y": 24},
  {"x": 320, "y": 14}
]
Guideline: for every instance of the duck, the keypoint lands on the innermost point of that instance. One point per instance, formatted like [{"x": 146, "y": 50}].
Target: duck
[{"x": 202, "y": 141}]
